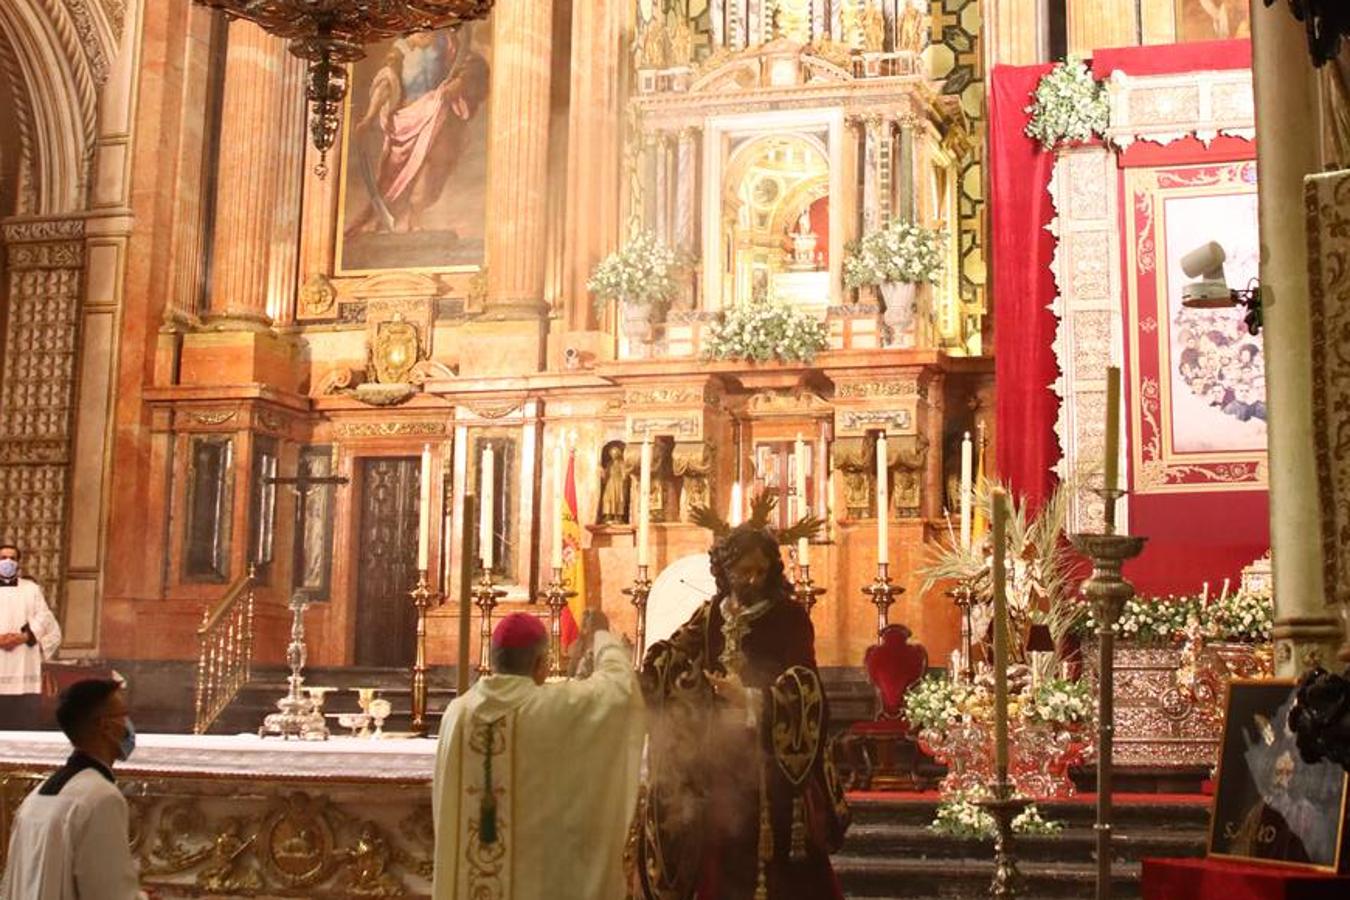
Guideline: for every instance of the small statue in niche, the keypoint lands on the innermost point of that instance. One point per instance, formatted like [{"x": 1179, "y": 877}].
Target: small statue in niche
[{"x": 615, "y": 473}]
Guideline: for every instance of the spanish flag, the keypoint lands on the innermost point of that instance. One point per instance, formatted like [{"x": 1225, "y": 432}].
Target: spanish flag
[{"x": 573, "y": 572}]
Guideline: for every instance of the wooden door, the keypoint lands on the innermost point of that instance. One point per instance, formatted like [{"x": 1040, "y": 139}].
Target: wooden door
[{"x": 385, "y": 556}]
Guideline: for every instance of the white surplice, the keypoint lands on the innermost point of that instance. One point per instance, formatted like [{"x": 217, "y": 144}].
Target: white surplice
[
  {"x": 73, "y": 845},
  {"x": 21, "y": 668},
  {"x": 562, "y": 760}
]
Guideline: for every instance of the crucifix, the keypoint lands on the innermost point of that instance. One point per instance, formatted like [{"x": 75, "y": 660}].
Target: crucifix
[{"x": 301, "y": 484}]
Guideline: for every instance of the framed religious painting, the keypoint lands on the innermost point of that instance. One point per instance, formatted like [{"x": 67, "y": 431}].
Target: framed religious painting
[
  {"x": 1198, "y": 378},
  {"x": 413, "y": 188},
  {"x": 1269, "y": 805},
  {"x": 1213, "y": 20}
]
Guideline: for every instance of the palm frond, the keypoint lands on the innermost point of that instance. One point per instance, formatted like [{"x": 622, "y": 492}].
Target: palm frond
[
  {"x": 805, "y": 527},
  {"x": 761, "y": 509}
]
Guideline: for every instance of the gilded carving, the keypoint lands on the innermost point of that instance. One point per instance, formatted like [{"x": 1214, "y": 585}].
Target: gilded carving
[
  {"x": 1327, "y": 200},
  {"x": 686, "y": 427},
  {"x": 387, "y": 429},
  {"x": 855, "y": 458},
  {"x": 671, "y": 396},
  {"x": 857, "y": 421},
  {"x": 881, "y": 388},
  {"x": 908, "y": 459},
  {"x": 213, "y": 417},
  {"x": 693, "y": 463},
  {"x": 489, "y": 410},
  {"x": 318, "y": 297},
  {"x": 394, "y": 350},
  {"x": 270, "y": 421}
]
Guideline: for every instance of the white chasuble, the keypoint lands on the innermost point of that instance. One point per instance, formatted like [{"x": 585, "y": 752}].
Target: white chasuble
[
  {"x": 535, "y": 785},
  {"x": 23, "y": 607}
]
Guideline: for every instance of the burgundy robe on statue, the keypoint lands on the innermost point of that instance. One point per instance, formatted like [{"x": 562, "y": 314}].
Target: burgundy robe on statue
[{"x": 700, "y": 833}]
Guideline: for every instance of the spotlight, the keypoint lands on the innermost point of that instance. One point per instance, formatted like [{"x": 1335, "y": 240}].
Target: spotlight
[{"x": 1210, "y": 288}]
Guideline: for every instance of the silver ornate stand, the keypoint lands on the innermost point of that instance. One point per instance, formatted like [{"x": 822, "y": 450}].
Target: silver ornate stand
[
  {"x": 1108, "y": 592},
  {"x": 297, "y": 715},
  {"x": 639, "y": 592},
  {"x": 882, "y": 593},
  {"x": 963, "y": 595},
  {"x": 556, "y": 596},
  {"x": 485, "y": 597}
]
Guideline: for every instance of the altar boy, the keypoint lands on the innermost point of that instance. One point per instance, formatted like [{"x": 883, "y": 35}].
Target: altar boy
[
  {"x": 69, "y": 839},
  {"x": 535, "y": 782},
  {"x": 28, "y": 636}
]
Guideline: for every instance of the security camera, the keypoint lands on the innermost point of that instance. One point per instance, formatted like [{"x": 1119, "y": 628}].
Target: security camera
[{"x": 1209, "y": 290}]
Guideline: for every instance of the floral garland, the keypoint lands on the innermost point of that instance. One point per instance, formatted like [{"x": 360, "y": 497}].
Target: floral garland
[
  {"x": 1243, "y": 616},
  {"x": 899, "y": 252},
  {"x": 1059, "y": 701},
  {"x": 763, "y": 330},
  {"x": 642, "y": 272},
  {"x": 1069, "y": 106},
  {"x": 935, "y": 703}
]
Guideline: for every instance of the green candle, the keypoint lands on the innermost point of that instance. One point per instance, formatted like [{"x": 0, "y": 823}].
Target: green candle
[
  {"x": 1112, "y": 428},
  {"x": 1000, "y": 498}
]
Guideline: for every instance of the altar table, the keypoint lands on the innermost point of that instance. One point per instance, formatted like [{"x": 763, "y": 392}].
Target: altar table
[{"x": 245, "y": 816}]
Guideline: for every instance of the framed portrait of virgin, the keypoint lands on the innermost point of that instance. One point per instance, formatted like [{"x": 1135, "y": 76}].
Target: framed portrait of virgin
[
  {"x": 1213, "y": 20},
  {"x": 1269, "y": 805}
]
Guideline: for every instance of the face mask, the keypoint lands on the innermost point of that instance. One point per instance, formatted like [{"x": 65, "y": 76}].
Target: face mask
[
  {"x": 9, "y": 568},
  {"x": 127, "y": 746}
]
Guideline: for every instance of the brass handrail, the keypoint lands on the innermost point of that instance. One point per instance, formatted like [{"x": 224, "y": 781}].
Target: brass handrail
[{"x": 224, "y": 651}]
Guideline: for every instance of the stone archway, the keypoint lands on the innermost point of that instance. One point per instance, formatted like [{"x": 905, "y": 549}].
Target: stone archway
[{"x": 57, "y": 59}]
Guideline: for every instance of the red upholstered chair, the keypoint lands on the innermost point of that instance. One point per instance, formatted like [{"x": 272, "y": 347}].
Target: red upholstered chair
[{"x": 890, "y": 753}]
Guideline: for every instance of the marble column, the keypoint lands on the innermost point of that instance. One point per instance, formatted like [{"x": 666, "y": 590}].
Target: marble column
[
  {"x": 517, "y": 235},
  {"x": 594, "y": 142},
  {"x": 1306, "y": 631},
  {"x": 291, "y": 152},
  {"x": 1019, "y": 32},
  {"x": 1093, "y": 24},
  {"x": 248, "y": 175}
]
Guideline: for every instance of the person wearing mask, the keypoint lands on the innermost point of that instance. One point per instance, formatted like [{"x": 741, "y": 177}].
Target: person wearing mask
[
  {"x": 29, "y": 634},
  {"x": 70, "y": 839}
]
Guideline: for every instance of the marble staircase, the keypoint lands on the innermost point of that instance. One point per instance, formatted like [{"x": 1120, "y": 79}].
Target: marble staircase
[{"x": 890, "y": 853}]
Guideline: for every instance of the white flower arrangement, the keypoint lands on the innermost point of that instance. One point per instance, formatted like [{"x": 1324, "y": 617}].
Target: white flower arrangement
[
  {"x": 901, "y": 252},
  {"x": 642, "y": 272},
  {"x": 960, "y": 816},
  {"x": 934, "y": 703},
  {"x": 1242, "y": 617},
  {"x": 1059, "y": 701},
  {"x": 1069, "y": 106},
  {"x": 763, "y": 330}
]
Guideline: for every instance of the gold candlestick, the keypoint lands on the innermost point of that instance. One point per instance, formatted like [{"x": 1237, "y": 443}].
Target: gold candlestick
[
  {"x": 1108, "y": 591},
  {"x": 805, "y": 592},
  {"x": 641, "y": 589},
  {"x": 882, "y": 594},
  {"x": 556, "y": 596},
  {"x": 485, "y": 597},
  {"x": 422, "y": 598}
]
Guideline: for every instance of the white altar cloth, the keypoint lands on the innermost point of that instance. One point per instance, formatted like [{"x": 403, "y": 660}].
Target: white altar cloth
[{"x": 242, "y": 755}]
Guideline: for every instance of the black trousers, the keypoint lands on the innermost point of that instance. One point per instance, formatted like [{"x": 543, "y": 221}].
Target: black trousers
[{"x": 22, "y": 712}]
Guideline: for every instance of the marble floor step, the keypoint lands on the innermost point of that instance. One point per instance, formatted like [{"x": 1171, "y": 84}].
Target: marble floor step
[
  {"x": 916, "y": 841},
  {"x": 895, "y": 878}
]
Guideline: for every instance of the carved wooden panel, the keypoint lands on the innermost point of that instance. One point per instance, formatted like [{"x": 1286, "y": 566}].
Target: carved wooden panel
[{"x": 386, "y": 561}]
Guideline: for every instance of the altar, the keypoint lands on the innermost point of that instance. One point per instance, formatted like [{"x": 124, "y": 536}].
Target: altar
[{"x": 242, "y": 816}]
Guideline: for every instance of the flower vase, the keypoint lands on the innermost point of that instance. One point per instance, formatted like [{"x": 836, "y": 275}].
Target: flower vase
[
  {"x": 901, "y": 299},
  {"x": 639, "y": 326},
  {"x": 1041, "y": 755},
  {"x": 967, "y": 752}
]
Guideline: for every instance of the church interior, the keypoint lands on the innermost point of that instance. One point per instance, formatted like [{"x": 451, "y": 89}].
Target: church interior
[{"x": 325, "y": 345}]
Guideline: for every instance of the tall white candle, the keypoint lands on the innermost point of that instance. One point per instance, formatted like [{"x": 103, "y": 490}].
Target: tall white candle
[
  {"x": 1000, "y": 577},
  {"x": 1224, "y": 594},
  {"x": 488, "y": 508},
  {"x": 560, "y": 489},
  {"x": 424, "y": 512},
  {"x": 803, "y": 506},
  {"x": 734, "y": 513},
  {"x": 883, "y": 502},
  {"x": 644, "y": 501},
  {"x": 967, "y": 489}
]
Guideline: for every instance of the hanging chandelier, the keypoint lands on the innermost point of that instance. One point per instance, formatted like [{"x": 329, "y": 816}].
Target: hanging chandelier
[{"x": 331, "y": 34}]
